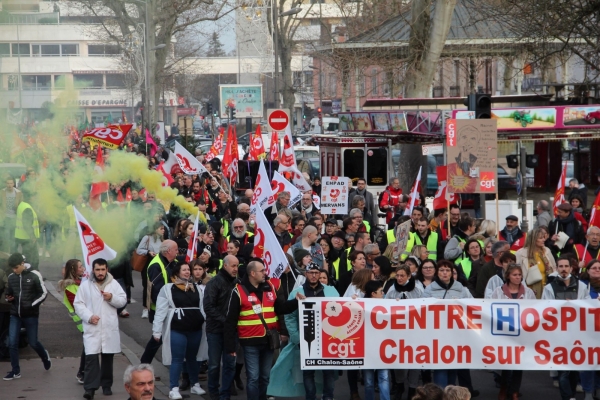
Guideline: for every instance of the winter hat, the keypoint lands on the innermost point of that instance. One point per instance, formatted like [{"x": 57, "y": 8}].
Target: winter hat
[{"x": 299, "y": 254}]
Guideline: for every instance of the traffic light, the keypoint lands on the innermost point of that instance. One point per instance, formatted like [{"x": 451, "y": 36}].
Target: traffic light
[
  {"x": 216, "y": 113},
  {"x": 481, "y": 104},
  {"x": 232, "y": 113},
  {"x": 209, "y": 109},
  {"x": 512, "y": 160}
]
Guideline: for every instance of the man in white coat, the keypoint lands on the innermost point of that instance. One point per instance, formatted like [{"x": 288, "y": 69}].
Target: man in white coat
[{"x": 96, "y": 304}]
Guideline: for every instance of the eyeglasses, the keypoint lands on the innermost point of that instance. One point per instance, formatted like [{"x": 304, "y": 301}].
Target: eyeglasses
[
  {"x": 262, "y": 271},
  {"x": 238, "y": 228},
  {"x": 284, "y": 222},
  {"x": 594, "y": 269},
  {"x": 428, "y": 268}
]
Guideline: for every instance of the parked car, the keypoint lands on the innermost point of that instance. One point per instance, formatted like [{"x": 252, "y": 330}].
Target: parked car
[{"x": 593, "y": 117}]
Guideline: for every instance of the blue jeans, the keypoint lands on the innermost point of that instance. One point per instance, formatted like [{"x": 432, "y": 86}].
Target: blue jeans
[
  {"x": 589, "y": 381},
  {"x": 215, "y": 355},
  {"x": 328, "y": 383},
  {"x": 384, "y": 384},
  {"x": 259, "y": 360},
  {"x": 31, "y": 325},
  {"x": 444, "y": 377},
  {"x": 567, "y": 383},
  {"x": 184, "y": 345}
]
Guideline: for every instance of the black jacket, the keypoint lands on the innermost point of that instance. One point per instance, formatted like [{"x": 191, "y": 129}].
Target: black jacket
[
  {"x": 282, "y": 306},
  {"x": 29, "y": 292},
  {"x": 216, "y": 299}
]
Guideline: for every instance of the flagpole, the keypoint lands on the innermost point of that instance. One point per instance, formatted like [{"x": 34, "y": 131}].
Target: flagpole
[{"x": 497, "y": 215}]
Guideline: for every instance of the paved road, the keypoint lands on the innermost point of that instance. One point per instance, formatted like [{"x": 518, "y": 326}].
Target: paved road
[{"x": 58, "y": 333}]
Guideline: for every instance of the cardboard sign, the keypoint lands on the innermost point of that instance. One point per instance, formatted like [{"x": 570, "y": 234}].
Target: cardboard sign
[{"x": 473, "y": 156}]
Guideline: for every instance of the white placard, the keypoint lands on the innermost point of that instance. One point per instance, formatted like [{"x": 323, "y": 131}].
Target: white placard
[
  {"x": 334, "y": 194},
  {"x": 431, "y": 149}
]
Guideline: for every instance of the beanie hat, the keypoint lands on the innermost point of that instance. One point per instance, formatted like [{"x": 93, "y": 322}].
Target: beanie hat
[{"x": 299, "y": 254}]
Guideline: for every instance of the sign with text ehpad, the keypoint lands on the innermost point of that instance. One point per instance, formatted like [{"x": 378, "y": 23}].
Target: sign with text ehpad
[{"x": 334, "y": 194}]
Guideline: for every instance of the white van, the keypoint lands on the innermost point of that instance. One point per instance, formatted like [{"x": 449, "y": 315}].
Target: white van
[{"x": 331, "y": 125}]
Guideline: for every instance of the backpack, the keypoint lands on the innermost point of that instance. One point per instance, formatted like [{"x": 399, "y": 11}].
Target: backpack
[{"x": 380, "y": 198}]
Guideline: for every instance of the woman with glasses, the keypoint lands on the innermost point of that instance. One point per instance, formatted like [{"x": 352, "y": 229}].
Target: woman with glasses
[
  {"x": 513, "y": 289},
  {"x": 426, "y": 273}
]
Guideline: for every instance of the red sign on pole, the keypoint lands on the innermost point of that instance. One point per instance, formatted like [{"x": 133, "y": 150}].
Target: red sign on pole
[{"x": 278, "y": 120}]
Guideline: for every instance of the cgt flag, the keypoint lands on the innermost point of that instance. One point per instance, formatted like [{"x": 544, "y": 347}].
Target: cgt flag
[
  {"x": 280, "y": 184},
  {"x": 231, "y": 156},
  {"x": 92, "y": 245},
  {"x": 442, "y": 196},
  {"x": 559, "y": 195},
  {"x": 110, "y": 137},
  {"x": 267, "y": 248},
  {"x": 217, "y": 145},
  {"x": 257, "y": 147},
  {"x": 414, "y": 199},
  {"x": 188, "y": 163},
  {"x": 262, "y": 190},
  {"x": 287, "y": 163},
  {"x": 274, "y": 151}
]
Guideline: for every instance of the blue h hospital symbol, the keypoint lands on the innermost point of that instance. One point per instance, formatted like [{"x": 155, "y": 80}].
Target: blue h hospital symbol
[{"x": 505, "y": 319}]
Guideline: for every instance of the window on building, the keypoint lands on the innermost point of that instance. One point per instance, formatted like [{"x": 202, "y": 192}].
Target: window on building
[
  {"x": 22, "y": 49},
  {"x": 93, "y": 81},
  {"x": 102, "y": 50},
  {"x": 36, "y": 82},
  {"x": 308, "y": 79},
  {"x": 60, "y": 82},
  {"x": 13, "y": 82},
  {"x": 354, "y": 164},
  {"x": 115, "y": 81},
  {"x": 386, "y": 84},
  {"x": 69, "y": 49},
  {"x": 45, "y": 50},
  {"x": 362, "y": 85},
  {"x": 332, "y": 85},
  {"x": 374, "y": 83},
  {"x": 4, "y": 49}
]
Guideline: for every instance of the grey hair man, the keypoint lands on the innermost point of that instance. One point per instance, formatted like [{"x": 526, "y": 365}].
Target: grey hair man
[
  {"x": 243, "y": 207},
  {"x": 308, "y": 241},
  {"x": 544, "y": 217},
  {"x": 139, "y": 382},
  {"x": 371, "y": 251},
  {"x": 283, "y": 201}
]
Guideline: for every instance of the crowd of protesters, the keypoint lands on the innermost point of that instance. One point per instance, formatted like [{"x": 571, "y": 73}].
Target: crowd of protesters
[{"x": 219, "y": 314}]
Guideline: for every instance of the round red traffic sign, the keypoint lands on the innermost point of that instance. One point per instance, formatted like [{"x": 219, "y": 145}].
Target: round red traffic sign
[{"x": 278, "y": 120}]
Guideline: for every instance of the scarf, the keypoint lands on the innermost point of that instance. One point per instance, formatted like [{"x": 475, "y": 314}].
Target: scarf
[
  {"x": 520, "y": 293},
  {"x": 104, "y": 283},
  {"x": 568, "y": 225},
  {"x": 407, "y": 287},
  {"x": 595, "y": 283},
  {"x": 442, "y": 284},
  {"x": 183, "y": 284},
  {"x": 510, "y": 234}
]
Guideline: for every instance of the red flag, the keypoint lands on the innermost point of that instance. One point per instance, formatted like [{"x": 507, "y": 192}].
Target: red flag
[
  {"x": 440, "y": 201},
  {"x": 257, "y": 147},
  {"x": 168, "y": 178},
  {"x": 92, "y": 244},
  {"x": 559, "y": 195},
  {"x": 595, "y": 212},
  {"x": 151, "y": 143},
  {"x": 413, "y": 198},
  {"x": 274, "y": 151},
  {"x": 98, "y": 187},
  {"x": 191, "y": 252},
  {"x": 217, "y": 145},
  {"x": 231, "y": 157}
]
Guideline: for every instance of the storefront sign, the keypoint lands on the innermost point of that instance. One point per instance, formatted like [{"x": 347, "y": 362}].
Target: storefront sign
[{"x": 341, "y": 333}]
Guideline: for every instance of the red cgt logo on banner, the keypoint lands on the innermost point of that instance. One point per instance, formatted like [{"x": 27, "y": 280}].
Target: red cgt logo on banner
[
  {"x": 343, "y": 328},
  {"x": 110, "y": 137}
]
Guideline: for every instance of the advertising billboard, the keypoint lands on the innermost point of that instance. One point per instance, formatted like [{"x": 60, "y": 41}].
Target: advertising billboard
[{"x": 246, "y": 99}]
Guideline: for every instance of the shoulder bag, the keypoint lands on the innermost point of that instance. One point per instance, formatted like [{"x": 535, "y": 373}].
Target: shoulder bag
[
  {"x": 138, "y": 262},
  {"x": 533, "y": 275}
]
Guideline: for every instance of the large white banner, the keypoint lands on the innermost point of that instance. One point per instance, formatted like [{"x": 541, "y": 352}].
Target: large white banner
[
  {"x": 280, "y": 184},
  {"x": 335, "y": 333},
  {"x": 262, "y": 190},
  {"x": 334, "y": 194}
]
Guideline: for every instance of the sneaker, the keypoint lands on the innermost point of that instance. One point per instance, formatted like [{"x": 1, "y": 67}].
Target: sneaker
[
  {"x": 145, "y": 313},
  {"x": 124, "y": 314},
  {"x": 174, "y": 394},
  {"x": 579, "y": 389},
  {"x": 11, "y": 375},
  {"x": 47, "y": 362},
  {"x": 80, "y": 377},
  {"x": 197, "y": 389}
]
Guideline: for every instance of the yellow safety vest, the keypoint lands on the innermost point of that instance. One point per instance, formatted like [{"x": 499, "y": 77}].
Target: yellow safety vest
[
  {"x": 368, "y": 226},
  {"x": 250, "y": 234},
  {"x": 20, "y": 232},
  {"x": 414, "y": 238},
  {"x": 73, "y": 289},
  {"x": 466, "y": 265},
  {"x": 336, "y": 267},
  {"x": 391, "y": 237},
  {"x": 214, "y": 273},
  {"x": 163, "y": 270},
  {"x": 225, "y": 227}
]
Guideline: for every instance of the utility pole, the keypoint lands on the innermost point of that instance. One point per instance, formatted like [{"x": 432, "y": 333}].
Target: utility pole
[{"x": 523, "y": 197}]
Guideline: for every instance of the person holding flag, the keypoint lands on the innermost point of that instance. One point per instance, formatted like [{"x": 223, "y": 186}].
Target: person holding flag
[
  {"x": 414, "y": 196},
  {"x": 565, "y": 231}
]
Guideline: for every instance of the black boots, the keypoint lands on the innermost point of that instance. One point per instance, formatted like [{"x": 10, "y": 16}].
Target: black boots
[{"x": 185, "y": 381}]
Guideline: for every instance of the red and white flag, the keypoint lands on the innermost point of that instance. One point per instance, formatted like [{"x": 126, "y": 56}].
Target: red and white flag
[
  {"x": 187, "y": 162},
  {"x": 559, "y": 195},
  {"x": 267, "y": 248},
  {"x": 231, "y": 156},
  {"x": 414, "y": 196},
  {"x": 191, "y": 252},
  {"x": 92, "y": 245},
  {"x": 288, "y": 162},
  {"x": 280, "y": 184},
  {"x": 217, "y": 145},
  {"x": 168, "y": 178},
  {"x": 274, "y": 150},
  {"x": 262, "y": 190},
  {"x": 442, "y": 196},
  {"x": 257, "y": 147},
  {"x": 595, "y": 212},
  {"x": 99, "y": 186}
]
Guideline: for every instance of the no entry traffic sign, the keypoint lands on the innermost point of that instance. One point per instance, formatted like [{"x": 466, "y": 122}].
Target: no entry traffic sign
[{"x": 278, "y": 120}]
